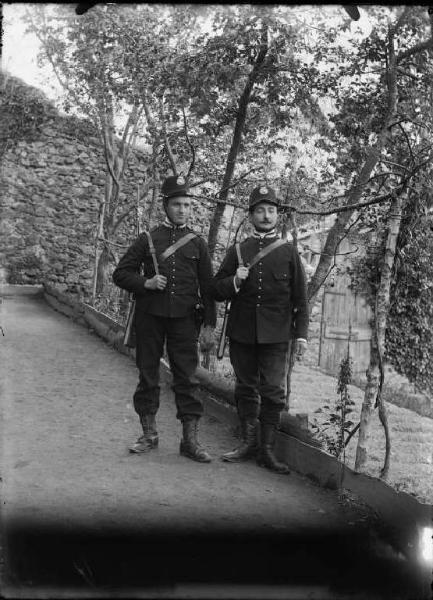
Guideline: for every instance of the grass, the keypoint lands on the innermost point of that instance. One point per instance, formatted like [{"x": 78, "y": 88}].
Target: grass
[{"x": 411, "y": 434}]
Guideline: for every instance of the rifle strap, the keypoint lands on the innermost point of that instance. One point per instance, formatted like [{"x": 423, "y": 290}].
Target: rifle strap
[
  {"x": 239, "y": 255},
  {"x": 174, "y": 247},
  {"x": 152, "y": 252},
  {"x": 266, "y": 251}
]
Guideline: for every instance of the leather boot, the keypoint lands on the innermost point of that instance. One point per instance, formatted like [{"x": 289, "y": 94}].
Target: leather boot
[
  {"x": 266, "y": 457},
  {"x": 189, "y": 445},
  {"x": 248, "y": 447},
  {"x": 149, "y": 439}
]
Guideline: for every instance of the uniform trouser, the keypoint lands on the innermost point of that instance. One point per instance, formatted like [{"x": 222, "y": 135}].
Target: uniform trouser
[
  {"x": 260, "y": 387},
  {"x": 180, "y": 335}
]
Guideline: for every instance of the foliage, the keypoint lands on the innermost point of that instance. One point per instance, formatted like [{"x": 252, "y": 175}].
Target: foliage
[
  {"x": 336, "y": 425},
  {"x": 409, "y": 343},
  {"x": 23, "y": 269},
  {"x": 206, "y": 76},
  {"x": 189, "y": 69},
  {"x": 365, "y": 270},
  {"x": 26, "y": 110}
]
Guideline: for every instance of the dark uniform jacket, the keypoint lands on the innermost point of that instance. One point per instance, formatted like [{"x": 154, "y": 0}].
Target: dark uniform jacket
[
  {"x": 188, "y": 272},
  {"x": 271, "y": 300}
]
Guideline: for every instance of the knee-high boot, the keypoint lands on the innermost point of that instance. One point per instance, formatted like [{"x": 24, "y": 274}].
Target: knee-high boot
[
  {"x": 248, "y": 447},
  {"x": 266, "y": 457},
  {"x": 149, "y": 439},
  {"x": 189, "y": 445}
]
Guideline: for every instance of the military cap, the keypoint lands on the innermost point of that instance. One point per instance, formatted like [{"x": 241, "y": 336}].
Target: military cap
[
  {"x": 176, "y": 185},
  {"x": 262, "y": 193}
]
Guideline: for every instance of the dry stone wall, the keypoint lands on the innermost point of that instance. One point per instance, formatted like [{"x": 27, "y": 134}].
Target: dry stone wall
[{"x": 50, "y": 187}]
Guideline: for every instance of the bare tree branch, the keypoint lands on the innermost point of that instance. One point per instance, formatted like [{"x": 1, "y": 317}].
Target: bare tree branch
[
  {"x": 102, "y": 239},
  {"x": 106, "y": 156},
  {"x": 407, "y": 141},
  {"x": 390, "y": 162},
  {"x": 407, "y": 74},
  {"x": 166, "y": 141},
  {"x": 185, "y": 125},
  {"x": 122, "y": 217}
]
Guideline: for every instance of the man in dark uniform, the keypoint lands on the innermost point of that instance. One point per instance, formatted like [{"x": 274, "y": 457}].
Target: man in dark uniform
[
  {"x": 166, "y": 311},
  {"x": 264, "y": 279}
]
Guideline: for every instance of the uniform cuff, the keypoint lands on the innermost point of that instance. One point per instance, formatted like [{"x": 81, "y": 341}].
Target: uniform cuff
[{"x": 235, "y": 286}]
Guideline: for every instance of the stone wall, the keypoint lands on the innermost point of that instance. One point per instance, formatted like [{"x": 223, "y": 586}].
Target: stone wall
[{"x": 50, "y": 185}]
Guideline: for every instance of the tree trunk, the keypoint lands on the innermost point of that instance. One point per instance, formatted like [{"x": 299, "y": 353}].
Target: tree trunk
[
  {"x": 102, "y": 271},
  {"x": 337, "y": 232},
  {"x": 291, "y": 357},
  {"x": 292, "y": 345},
  {"x": 375, "y": 369},
  {"x": 100, "y": 234},
  {"x": 244, "y": 100}
]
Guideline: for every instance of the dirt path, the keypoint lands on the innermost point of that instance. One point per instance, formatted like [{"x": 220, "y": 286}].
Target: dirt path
[{"x": 66, "y": 423}]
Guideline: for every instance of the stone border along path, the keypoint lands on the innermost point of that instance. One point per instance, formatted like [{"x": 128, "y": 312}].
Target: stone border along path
[
  {"x": 66, "y": 422},
  {"x": 411, "y": 465}
]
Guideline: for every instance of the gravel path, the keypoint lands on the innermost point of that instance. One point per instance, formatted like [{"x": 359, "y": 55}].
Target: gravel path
[{"x": 66, "y": 423}]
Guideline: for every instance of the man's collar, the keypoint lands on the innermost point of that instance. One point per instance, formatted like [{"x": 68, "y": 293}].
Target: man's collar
[
  {"x": 265, "y": 234},
  {"x": 170, "y": 225}
]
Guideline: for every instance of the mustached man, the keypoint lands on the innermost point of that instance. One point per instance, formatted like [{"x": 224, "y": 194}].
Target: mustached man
[{"x": 264, "y": 279}]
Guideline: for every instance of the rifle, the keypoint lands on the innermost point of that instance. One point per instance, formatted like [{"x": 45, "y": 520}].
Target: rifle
[
  {"x": 129, "y": 339},
  {"x": 223, "y": 336},
  {"x": 222, "y": 341}
]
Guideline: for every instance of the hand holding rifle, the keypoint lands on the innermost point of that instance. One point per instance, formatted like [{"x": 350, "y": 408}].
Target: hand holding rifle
[
  {"x": 241, "y": 274},
  {"x": 157, "y": 282}
]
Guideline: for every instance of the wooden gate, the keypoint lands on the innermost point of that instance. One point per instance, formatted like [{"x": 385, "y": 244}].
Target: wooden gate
[{"x": 345, "y": 321}]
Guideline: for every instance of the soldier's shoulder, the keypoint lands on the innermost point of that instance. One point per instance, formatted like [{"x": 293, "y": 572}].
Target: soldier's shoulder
[
  {"x": 156, "y": 232},
  {"x": 142, "y": 237},
  {"x": 199, "y": 237},
  {"x": 246, "y": 241},
  {"x": 189, "y": 229},
  {"x": 292, "y": 249}
]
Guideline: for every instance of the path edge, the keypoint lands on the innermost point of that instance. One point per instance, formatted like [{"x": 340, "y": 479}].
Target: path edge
[{"x": 400, "y": 512}]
